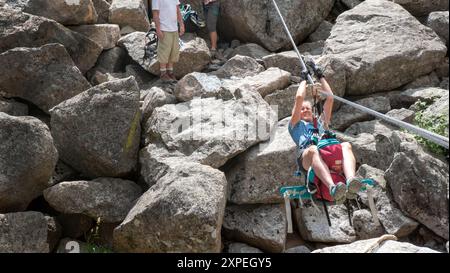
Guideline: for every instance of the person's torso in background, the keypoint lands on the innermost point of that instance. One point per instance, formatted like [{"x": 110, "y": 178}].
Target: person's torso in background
[{"x": 167, "y": 14}]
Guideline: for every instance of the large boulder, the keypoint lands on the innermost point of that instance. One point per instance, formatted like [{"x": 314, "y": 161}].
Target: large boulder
[
  {"x": 438, "y": 21},
  {"x": 18, "y": 29},
  {"x": 105, "y": 35},
  {"x": 109, "y": 199},
  {"x": 156, "y": 97},
  {"x": 262, "y": 226},
  {"x": 376, "y": 245},
  {"x": 23, "y": 232},
  {"x": 129, "y": 13},
  {"x": 246, "y": 20},
  {"x": 423, "y": 7},
  {"x": 250, "y": 50},
  {"x": 97, "y": 132},
  {"x": 210, "y": 130},
  {"x": 268, "y": 81},
  {"x": 364, "y": 225},
  {"x": 391, "y": 217},
  {"x": 196, "y": 85},
  {"x": 182, "y": 212},
  {"x": 283, "y": 100},
  {"x": 313, "y": 225},
  {"x": 419, "y": 183},
  {"x": 239, "y": 66},
  {"x": 361, "y": 36},
  {"x": 194, "y": 54},
  {"x": 439, "y": 110},
  {"x": 27, "y": 159},
  {"x": 322, "y": 32},
  {"x": 13, "y": 107},
  {"x": 44, "y": 76},
  {"x": 102, "y": 9},
  {"x": 348, "y": 115},
  {"x": 253, "y": 176},
  {"x": 81, "y": 12}
]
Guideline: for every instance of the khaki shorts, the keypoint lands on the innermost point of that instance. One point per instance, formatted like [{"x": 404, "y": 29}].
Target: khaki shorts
[{"x": 169, "y": 48}]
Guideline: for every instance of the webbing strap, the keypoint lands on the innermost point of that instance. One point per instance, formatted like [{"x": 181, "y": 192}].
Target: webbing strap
[
  {"x": 287, "y": 205},
  {"x": 438, "y": 139}
]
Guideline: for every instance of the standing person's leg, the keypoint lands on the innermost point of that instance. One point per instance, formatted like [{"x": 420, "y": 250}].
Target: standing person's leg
[
  {"x": 311, "y": 158},
  {"x": 163, "y": 53},
  {"x": 174, "y": 54},
  {"x": 212, "y": 14}
]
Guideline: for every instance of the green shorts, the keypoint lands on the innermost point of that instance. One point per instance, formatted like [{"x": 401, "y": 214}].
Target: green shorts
[
  {"x": 169, "y": 48},
  {"x": 212, "y": 11}
]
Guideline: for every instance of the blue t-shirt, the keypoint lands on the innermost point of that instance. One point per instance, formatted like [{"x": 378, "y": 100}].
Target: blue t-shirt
[{"x": 302, "y": 131}]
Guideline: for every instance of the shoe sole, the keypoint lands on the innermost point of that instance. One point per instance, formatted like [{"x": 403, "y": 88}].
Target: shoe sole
[
  {"x": 340, "y": 193},
  {"x": 354, "y": 186}
]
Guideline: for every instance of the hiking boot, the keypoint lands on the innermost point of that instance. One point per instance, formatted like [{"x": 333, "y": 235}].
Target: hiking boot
[
  {"x": 338, "y": 192},
  {"x": 354, "y": 185},
  {"x": 172, "y": 76},
  {"x": 165, "y": 78}
]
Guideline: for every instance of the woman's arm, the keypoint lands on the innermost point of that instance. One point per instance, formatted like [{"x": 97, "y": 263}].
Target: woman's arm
[
  {"x": 328, "y": 106},
  {"x": 299, "y": 98},
  {"x": 180, "y": 20}
]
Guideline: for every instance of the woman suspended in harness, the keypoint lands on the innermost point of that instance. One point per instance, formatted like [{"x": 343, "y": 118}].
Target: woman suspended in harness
[{"x": 302, "y": 128}]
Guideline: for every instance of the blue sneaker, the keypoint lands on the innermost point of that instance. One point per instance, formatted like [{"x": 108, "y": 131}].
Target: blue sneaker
[
  {"x": 338, "y": 192},
  {"x": 354, "y": 185}
]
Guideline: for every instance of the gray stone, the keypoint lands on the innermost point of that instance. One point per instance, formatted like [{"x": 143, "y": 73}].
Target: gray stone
[
  {"x": 197, "y": 85},
  {"x": 18, "y": 29},
  {"x": 268, "y": 81},
  {"x": 81, "y": 12},
  {"x": 105, "y": 35},
  {"x": 109, "y": 199},
  {"x": 298, "y": 249},
  {"x": 430, "y": 80},
  {"x": 313, "y": 225},
  {"x": 27, "y": 159},
  {"x": 156, "y": 97},
  {"x": 254, "y": 51},
  {"x": 143, "y": 78},
  {"x": 54, "y": 232},
  {"x": 239, "y": 66},
  {"x": 253, "y": 176},
  {"x": 347, "y": 115},
  {"x": 53, "y": 78},
  {"x": 262, "y": 226},
  {"x": 23, "y": 232},
  {"x": 182, "y": 212},
  {"x": 97, "y": 132},
  {"x": 365, "y": 227},
  {"x": 283, "y": 100},
  {"x": 442, "y": 70},
  {"x": 312, "y": 49},
  {"x": 211, "y": 131},
  {"x": 13, "y": 107},
  {"x": 351, "y": 3},
  {"x": 102, "y": 9},
  {"x": 322, "y": 32},
  {"x": 403, "y": 114},
  {"x": 380, "y": 24},
  {"x": 246, "y": 21},
  {"x": 129, "y": 13},
  {"x": 422, "y": 7},
  {"x": 427, "y": 94},
  {"x": 242, "y": 248},
  {"x": 420, "y": 187},
  {"x": 438, "y": 21},
  {"x": 385, "y": 246}
]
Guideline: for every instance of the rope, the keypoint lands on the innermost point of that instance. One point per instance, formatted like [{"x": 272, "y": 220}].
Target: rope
[
  {"x": 378, "y": 242},
  {"x": 438, "y": 139}
]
